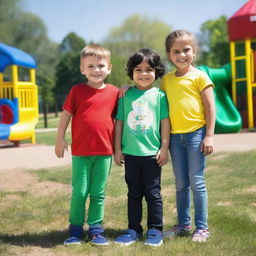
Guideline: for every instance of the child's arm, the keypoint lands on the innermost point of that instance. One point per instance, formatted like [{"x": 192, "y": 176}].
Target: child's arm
[
  {"x": 162, "y": 155},
  {"x": 210, "y": 116},
  {"x": 118, "y": 155},
  {"x": 61, "y": 143},
  {"x": 123, "y": 90}
]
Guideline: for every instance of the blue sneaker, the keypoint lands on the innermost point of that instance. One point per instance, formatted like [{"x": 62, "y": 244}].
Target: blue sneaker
[
  {"x": 99, "y": 240},
  {"x": 154, "y": 237},
  {"x": 96, "y": 234},
  {"x": 72, "y": 240},
  {"x": 129, "y": 237},
  {"x": 75, "y": 234}
]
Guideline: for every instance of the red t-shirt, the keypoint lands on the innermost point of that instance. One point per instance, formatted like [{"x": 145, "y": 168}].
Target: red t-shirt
[{"x": 93, "y": 112}]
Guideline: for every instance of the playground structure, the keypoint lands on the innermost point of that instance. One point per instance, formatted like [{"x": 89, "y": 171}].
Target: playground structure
[
  {"x": 239, "y": 77},
  {"x": 228, "y": 118},
  {"x": 18, "y": 95},
  {"x": 242, "y": 37}
]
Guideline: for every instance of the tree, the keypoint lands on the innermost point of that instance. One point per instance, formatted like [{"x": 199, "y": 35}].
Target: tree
[
  {"x": 68, "y": 70},
  {"x": 118, "y": 76},
  {"x": 8, "y": 10},
  {"x": 137, "y": 32},
  {"x": 214, "y": 43},
  {"x": 68, "y": 73},
  {"x": 71, "y": 43},
  {"x": 28, "y": 32}
]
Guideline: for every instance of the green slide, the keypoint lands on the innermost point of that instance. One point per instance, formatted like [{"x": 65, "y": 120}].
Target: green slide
[{"x": 228, "y": 119}]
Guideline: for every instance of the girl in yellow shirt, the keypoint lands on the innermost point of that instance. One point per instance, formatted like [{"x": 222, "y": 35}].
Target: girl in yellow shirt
[{"x": 192, "y": 114}]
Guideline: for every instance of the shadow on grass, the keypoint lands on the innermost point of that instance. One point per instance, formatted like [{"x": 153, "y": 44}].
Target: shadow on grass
[{"x": 47, "y": 239}]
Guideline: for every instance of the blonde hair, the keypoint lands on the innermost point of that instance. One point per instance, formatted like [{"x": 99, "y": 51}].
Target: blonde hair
[
  {"x": 96, "y": 50},
  {"x": 170, "y": 39}
]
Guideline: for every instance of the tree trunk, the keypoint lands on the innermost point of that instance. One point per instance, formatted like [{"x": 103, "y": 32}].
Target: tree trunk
[{"x": 45, "y": 114}]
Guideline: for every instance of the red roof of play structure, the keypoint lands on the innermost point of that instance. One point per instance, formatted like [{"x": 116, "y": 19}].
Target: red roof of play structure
[{"x": 242, "y": 25}]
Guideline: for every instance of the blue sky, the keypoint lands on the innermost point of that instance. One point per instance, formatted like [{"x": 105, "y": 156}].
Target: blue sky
[{"x": 93, "y": 19}]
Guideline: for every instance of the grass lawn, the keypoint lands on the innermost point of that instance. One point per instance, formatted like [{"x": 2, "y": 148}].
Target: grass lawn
[
  {"x": 49, "y": 137},
  {"x": 52, "y": 120},
  {"x": 34, "y": 219}
]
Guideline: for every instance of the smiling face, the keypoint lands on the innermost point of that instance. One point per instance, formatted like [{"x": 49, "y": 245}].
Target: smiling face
[
  {"x": 96, "y": 69},
  {"x": 182, "y": 54},
  {"x": 144, "y": 75}
]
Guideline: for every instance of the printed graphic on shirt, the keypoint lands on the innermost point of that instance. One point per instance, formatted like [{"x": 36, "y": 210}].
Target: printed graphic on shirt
[{"x": 140, "y": 118}]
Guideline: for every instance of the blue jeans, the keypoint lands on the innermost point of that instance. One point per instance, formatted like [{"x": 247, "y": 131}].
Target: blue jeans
[{"x": 188, "y": 166}]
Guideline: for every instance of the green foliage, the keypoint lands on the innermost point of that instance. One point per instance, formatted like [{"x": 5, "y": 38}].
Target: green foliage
[
  {"x": 28, "y": 32},
  {"x": 8, "y": 10},
  {"x": 134, "y": 33},
  {"x": 137, "y": 32},
  {"x": 71, "y": 43},
  {"x": 68, "y": 69},
  {"x": 214, "y": 43},
  {"x": 118, "y": 76},
  {"x": 68, "y": 73}
]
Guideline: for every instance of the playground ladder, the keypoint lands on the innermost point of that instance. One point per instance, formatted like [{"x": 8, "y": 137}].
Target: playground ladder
[{"x": 249, "y": 78}]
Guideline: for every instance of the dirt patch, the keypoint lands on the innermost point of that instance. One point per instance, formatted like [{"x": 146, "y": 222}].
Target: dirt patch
[
  {"x": 16, "y": 180},
  {"x": 218, "y": 156},
  {"x": 224, "y": 203},
  {"x": 33, "y": 251},
  {"x": 211, "y": 168},
  {"x": 21, "y": 180},
  {"x": 48, "y": 188},
  {"x": 9, "y": 200},
  {"x": 251, "y": 190}
]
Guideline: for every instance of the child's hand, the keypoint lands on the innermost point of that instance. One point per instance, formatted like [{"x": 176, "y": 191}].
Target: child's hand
[
  {"x": 162, "y": 157},
  {"x": 60, "y": 147},
  {"x": 123, "y": 90},
  {"x": 119, "y": 158},
  {"x": 207, "y": 145}
]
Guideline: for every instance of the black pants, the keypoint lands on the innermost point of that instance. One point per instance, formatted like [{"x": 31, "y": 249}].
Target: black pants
[{"x": 143, "y": 178}]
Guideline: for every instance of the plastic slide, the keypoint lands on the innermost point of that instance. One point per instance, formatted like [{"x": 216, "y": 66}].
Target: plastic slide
[
  {"x": 11, "y": 128},
  {"x": 228, "y": 119},
  {"x": 8, "y": 116},
  {"x": 18, "y": 98}
]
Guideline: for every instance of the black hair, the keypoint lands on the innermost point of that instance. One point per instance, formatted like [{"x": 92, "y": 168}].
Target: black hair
[{"x": 148, "y": 55}]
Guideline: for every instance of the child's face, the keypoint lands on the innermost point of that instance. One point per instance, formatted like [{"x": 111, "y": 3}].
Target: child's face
[
  {"x": 95, "y": 69},
  {"x": 144, "y": 75},
  {"x": 182, "y": 53}
]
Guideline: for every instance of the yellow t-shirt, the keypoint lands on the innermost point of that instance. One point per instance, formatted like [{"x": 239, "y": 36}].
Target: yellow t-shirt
[{"x": 186, "y": 107}]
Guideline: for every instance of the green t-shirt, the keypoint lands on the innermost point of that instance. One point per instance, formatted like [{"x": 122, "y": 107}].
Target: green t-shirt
[{"x": 141, "y": 113}]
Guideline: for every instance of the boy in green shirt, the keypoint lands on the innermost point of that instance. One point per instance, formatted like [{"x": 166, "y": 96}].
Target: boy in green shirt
[{"x": 142, "y": 133}]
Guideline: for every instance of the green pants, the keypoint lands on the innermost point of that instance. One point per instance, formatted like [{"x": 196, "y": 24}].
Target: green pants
[{"x": 89, "y": 177}]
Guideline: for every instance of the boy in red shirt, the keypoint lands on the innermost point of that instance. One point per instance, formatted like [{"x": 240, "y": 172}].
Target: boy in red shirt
[{"x": 92, "y": 106}]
